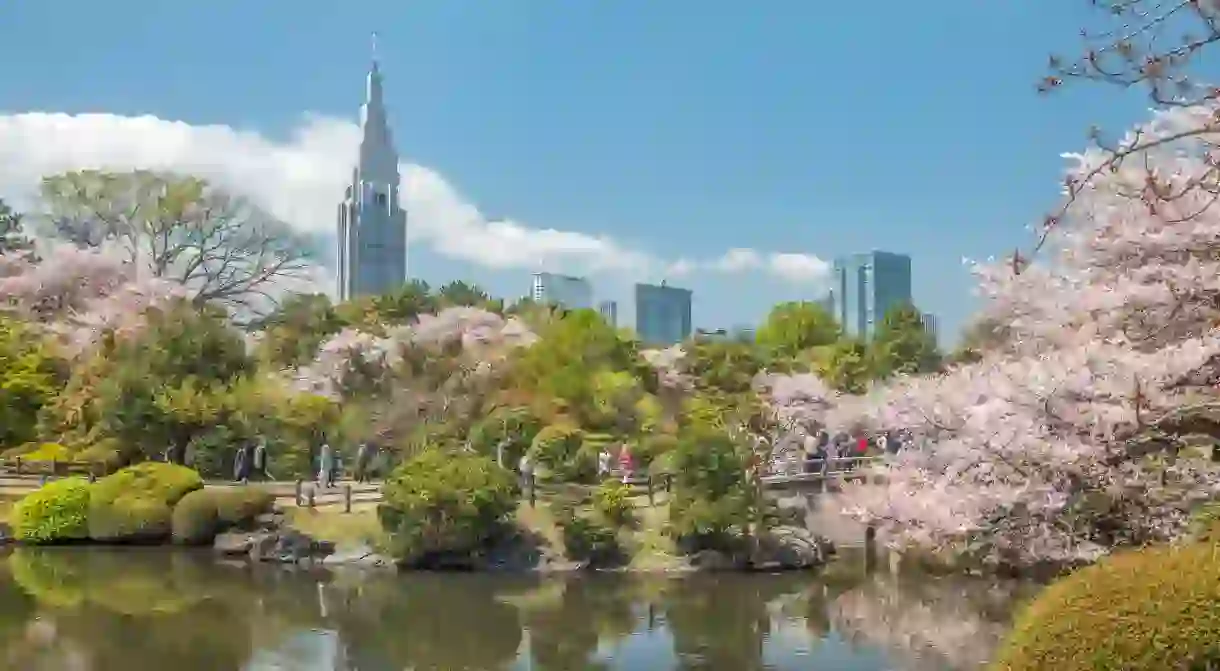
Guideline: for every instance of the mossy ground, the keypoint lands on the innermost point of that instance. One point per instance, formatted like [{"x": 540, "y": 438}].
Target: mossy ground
[{"x": 359, "y": 527}]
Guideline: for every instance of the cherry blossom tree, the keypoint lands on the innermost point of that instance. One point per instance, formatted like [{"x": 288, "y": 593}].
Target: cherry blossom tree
[
  {"x": 1075, "y": 436},
  {"x": 80, "y": 294}
]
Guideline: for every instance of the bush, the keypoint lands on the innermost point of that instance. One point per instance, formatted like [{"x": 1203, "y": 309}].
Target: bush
[
  {"x": 651, "y": 449},
  {"x": 612, "y": 500},
  {"x": 195, "y": 519},
  {"x": 56, "y": 513},
  {"x": 588, "y": 540},
  {"x": 136, "y": 503},
  {"x": 203, "y": 513},
  {"x": 47, "y": 452},
  {"x": 1146, "y": 610},
  {"x": 441, "y": 504},
  {"x": 558, "y": 448},
  {"x": 1205, "y": 524},
  {"x": 711, "y": 502}
]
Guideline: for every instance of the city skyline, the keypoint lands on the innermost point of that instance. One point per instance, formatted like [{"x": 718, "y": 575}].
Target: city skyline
[{"x": 540, "y": 147}]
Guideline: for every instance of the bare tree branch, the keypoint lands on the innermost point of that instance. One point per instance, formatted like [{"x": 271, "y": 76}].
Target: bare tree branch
[{"x": 223, "y": 249}]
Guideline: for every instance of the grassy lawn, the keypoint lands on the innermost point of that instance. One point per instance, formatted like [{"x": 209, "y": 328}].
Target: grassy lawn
[{"x": 359, "y": 527}]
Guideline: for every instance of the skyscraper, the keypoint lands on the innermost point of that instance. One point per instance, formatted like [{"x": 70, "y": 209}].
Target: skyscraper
[
  {"x": 573, "y": 293},
  {"x": 931, "y": 324},
  {"x": 866, "y": 286},
  {"x": 609, "y": 311},
  {"x": 372, "y": 255},
  {"x": 662, "y": 314}
]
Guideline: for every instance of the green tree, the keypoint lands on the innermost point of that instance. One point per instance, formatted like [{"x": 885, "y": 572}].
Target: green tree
[
  {"x": 30, "y": 378},
  {"x": 901, "y": 344},
  {"x": 725, "y": 366},
  {"x": 846, "y": 366},
  {"x": 793, "y": 327},
  {"x": 13, "y": 239},
  {"x": 292, "y": 334},
  {"x": 459, "y": 293}
]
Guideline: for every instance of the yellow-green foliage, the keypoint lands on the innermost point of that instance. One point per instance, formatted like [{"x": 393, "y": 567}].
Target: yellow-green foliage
[
  {"x": 612, "y": 500},
  {"x": 1205, "y": 524},
  {"x": 47, "y": 452},
  {"x": 195, "y": 519},
  {"x": 135, "y": 503},
  {"x": 1155, "y": 609},
  {"x": 56, "y": 513},
  {"x": 557, "y": 448},
  {"x": 201, "y": 514},
  {"x": 439, "y": 503}
]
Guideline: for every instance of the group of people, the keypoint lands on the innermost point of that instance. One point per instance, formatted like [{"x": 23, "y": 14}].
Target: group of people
[
  {"x": 823, "y": 448},
  {"x": 605, "y": 458},
  {"x": 250, "y": 460},
  {"x": 329, "y": 464}
]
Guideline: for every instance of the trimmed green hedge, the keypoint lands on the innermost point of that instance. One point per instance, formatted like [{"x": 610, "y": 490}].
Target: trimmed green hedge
[
  {"x": 136, "y": 503},
  {"x": 56, "y": 513},
  {"x": 202, "y": 514},
  {"x": 1154, "y": 609},
  {"x": 442, "y": 504}
]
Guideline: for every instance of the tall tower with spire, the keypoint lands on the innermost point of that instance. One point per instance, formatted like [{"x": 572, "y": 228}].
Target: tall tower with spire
[{"x": 372, "y": 225}]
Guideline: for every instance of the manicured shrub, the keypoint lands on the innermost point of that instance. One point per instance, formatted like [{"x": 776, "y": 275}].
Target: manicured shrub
[
  {"x": 58, "y": 512},
  {"x": 203, "y": 513},
  {"x": 136, "y": 503},
  {"x": 443, "y": 504},
  {"x": 195, "y": 519},
  {"x": 612, "y": 500},
  {"x": 1147, "y": 610},
  {"x": 238, "y": 506},
  {"x": 588, "y": 540},
  {"x": 557, "y": 448}
]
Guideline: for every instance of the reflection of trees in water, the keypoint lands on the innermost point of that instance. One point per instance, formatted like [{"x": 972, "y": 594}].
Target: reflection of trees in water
[
  {"x": 931, "y": 623},
  {"x": 426, "y": 622},
  {"x": 573, "y": 616},
  {"x": 136, "y": 610},
  {"x": 721, "y": 622}
]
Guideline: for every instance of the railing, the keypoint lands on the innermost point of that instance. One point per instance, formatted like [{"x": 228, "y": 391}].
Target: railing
[
  {"x": 20, "y": 466},
  {"x": 799, "y": 467}
]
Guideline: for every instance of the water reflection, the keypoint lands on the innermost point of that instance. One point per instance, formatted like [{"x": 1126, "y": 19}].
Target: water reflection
[{"x": 153, "y": 609}]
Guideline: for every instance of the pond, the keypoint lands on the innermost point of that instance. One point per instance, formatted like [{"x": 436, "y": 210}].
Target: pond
[{"x": 156, "y": 609}]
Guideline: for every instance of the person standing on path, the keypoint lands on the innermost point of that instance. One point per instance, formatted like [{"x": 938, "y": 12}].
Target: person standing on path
[
  {"x": 525, "y": 468},
  {"x": 260, "y": 459},
  {"x": 603, "y": 463},
  {"x": 241, "y": 464},
  {"x": 326, "y": 464},
  {"x": 626, "y": 463},
  {"x": 362, "y": 457}
]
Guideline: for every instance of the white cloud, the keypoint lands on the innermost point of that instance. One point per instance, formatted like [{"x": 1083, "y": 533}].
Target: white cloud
[{"x": 300, "y": 179}]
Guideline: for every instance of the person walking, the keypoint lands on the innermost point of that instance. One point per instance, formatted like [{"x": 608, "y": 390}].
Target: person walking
[
  {"x": 362, "y": 456},
  {"x": 260, "y": 459},
  {"x": 326, "y": 465},
  {"x": 626, "y": 463},
  {"x": 241, "y": 464},
  {"x": 525, "y": 469},
  {"x": 603, "y": 463}
]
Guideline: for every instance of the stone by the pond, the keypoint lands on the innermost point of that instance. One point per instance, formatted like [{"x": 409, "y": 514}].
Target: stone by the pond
[
  {"x": 715, "y": 560},
  {"x": 286, "y": 546},
  {"x": 786, "y": 548},
  {"x": 361, "y": 556}
]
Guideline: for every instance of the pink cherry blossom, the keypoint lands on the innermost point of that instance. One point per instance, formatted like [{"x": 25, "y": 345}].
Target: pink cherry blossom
[{"x": 1112, "y": 335}]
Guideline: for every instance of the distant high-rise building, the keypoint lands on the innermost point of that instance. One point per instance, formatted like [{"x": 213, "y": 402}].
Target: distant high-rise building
[
  {"x": 609, "y": 311},
  {"x": 865, "y": 286},
  {"x": 372, "y": 226},
  {"x": 827, "y": 302},
  {"x": 573, "y": 293},
  {"x": 662, "y": 314},
  {"x": 931, "y": 325}
]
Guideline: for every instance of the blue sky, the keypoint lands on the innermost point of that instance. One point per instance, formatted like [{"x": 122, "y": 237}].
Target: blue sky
[{"x": 681, "y": 129}]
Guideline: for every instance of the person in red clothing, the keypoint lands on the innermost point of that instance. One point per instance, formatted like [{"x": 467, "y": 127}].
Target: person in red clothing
[
  {"x": 626, "y": 463},
  {"x": 862, "y": 445}
]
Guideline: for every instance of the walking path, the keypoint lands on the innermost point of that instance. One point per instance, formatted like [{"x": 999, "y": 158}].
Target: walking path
[{"x": 13, "y": 486}]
